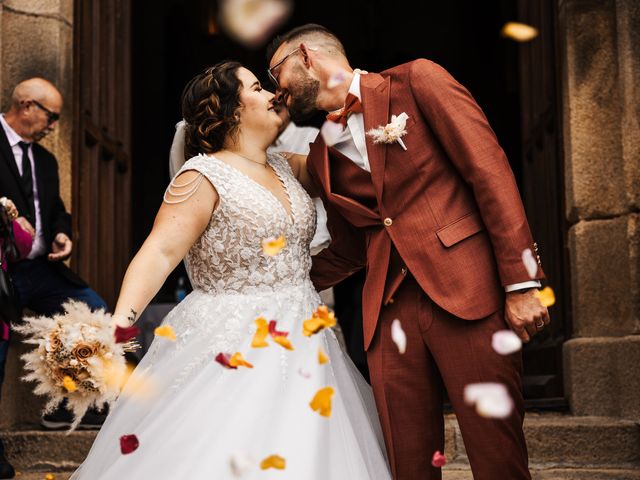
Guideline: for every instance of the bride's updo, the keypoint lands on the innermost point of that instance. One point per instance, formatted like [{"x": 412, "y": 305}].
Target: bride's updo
[{"x": 209, "y": 105}]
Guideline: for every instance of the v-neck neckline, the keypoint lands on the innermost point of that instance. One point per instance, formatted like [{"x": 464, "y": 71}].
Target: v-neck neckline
[{"x": 289, "y": 214}]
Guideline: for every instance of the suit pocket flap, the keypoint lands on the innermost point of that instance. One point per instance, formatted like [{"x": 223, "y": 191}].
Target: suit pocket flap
[{"x": 460, "y": 229}]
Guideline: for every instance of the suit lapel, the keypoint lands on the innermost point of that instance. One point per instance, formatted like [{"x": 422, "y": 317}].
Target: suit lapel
[
  {"x": 7, "y": 154},
  {"x": 374, "y": 90}
]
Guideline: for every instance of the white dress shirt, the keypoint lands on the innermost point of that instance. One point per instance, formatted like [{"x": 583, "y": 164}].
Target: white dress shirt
[
  {"x": 39, "y": 248},
  {"x": 353, "y": 145}
]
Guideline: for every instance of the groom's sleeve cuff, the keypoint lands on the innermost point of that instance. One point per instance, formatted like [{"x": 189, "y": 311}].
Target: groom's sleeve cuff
[{"x": 521, "y": 286}]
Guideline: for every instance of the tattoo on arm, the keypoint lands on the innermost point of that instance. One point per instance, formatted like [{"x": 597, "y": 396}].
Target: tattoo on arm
[{"x": 132, "y": 316}]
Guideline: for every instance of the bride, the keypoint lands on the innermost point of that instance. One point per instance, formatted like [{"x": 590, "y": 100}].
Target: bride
[{"x": 202, "y": 420}]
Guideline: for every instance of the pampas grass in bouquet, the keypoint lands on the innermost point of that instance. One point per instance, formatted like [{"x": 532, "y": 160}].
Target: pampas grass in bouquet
[{"x": 77, "y": 356}]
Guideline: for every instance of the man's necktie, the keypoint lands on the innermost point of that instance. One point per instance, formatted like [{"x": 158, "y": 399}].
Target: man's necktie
[
  {"x": 27, "y": 180},
  {"x": 351, "y": 105}
]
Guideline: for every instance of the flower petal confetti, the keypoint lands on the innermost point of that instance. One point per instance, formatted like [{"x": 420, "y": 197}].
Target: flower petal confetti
[
  {"x": 48, "y": 476},
  {"x": 165, "y": 331},
  {"x": 240, "y": 464},
  {"x": 69, "y": 384},
  {"x": 253, "y": 22},
  {"x": 331, "y": 132},
  {"x": 322, "y": 318},
  {"x": 546, "y": 296},
  {"x": 273, "y": 461},
  {"x": 128, "y": 444},
  {"x": 124, "y": 334},
  {"x": 322, "y": 357},
  {"x": 274, "y": 332},
  {"x": 520, "y": 32},
  {"x": 321, "y": 401},
  {"x": 304, "y": 373},
  {"x": 505, "y": 342},
  {"x": 262, "y": 330},
  {"x": 237, "y": 360},
  {"x": 438, "y": 460},
  {"x": 492, "y": 400},
  {"x": 284, "y": 342},
  {"x": 530, "y": 263},
  {"x": 273, "y": 246},
  {"x": 337, "y": 79},
  {"x": 398, "y": 336}
]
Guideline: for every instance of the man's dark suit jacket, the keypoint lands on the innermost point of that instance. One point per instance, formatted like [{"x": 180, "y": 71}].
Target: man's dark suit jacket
[{"x": 55, "y": 218}]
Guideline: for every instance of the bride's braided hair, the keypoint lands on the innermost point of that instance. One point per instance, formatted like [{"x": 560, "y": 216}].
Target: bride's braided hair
[{"x": 210, "y": 102}]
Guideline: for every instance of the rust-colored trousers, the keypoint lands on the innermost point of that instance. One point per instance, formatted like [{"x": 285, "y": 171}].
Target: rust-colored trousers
[{"x": 443, "y": 351}]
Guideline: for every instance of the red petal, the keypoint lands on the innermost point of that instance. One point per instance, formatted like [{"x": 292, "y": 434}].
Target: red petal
[
  {"x": 223, "y": 359},
  {"x": 275, "y": 333},
  {"x": 124, "y": 334},
  {"x": 438, "y": 460},
  {"x": 128, "y": 444}
]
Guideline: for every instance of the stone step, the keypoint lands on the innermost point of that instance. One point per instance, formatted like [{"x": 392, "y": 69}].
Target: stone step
[{"x": 555, "y": 442}]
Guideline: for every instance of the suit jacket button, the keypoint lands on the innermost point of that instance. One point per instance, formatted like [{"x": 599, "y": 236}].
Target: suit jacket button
[{"x": 387, "y": 222}]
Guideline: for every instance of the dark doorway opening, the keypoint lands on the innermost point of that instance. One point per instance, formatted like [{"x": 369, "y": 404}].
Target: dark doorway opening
[{"x": 175, "y": 39}]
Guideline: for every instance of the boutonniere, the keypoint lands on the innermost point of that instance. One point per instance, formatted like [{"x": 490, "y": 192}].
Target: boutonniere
[{"x": 392, "y": 132}]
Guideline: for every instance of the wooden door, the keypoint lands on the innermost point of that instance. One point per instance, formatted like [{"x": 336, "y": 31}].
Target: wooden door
[
  {"x": 102, "y": 143},
  {"x": 543, "y": 192}
]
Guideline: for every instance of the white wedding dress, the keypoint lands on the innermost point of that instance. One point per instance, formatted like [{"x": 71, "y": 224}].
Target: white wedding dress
[{"x": 203, "y": 415}]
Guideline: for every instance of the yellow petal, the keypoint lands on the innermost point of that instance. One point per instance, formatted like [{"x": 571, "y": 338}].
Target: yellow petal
[
  {"x": 165, "y": 331},
  {"x": 321, "y": 318},
  {"x": 49, "y": 476},
  {"x": 321, "y": 402},
  {"x": 273, "y": 461},
  {"x": 262, "y": 330},
  {"x": 322, "y": 357},
  {"x": 284, "y": 341},
  {"x": 273, "y": 246},
  {"x": 520, "y": 32},
  {"x": 237, "y": 360},
  {"x": 546, "y": 296},
  {"x": 69, "y": 384}
]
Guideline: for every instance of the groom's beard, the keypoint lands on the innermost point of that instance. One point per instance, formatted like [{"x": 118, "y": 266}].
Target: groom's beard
[{"x": 303, "y": 98}]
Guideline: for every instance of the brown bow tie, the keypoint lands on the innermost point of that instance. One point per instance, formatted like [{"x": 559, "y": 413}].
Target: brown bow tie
[{"x": 351, "y": 105}]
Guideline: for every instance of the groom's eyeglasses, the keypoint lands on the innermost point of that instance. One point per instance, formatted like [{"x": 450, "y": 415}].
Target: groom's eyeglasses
[
  {"x": 270, "y": 71},
  {"x": 51, "y": 116}
]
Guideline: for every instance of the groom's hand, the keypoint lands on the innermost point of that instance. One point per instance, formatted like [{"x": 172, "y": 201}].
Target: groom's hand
[{"x": 525, "y": 314}]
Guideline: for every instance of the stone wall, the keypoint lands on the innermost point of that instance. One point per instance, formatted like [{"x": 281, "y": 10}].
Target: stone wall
[
  {"x": 36, "y": 40},
  {"x": 601, "y": 102}
]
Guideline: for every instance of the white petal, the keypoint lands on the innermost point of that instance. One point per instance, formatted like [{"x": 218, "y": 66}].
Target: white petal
[
  {"x": 331, "y": 132},
  {"x": 240, "y": 463},
  {"x": 530, "y": 263},
  {"x": 506, "y": 342},
  {"x": 336, "y": 79},
  {"x": 398, "y": 336},
  {"x": 491, "y": 400},
  {"x": 252, "y": 22}
]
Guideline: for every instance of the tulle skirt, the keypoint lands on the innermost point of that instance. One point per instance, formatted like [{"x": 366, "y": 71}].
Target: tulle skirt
[{"x": 193, "y": 418}]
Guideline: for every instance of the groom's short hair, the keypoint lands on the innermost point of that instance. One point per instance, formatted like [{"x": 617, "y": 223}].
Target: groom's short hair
[{"x": 312, "y": 33}]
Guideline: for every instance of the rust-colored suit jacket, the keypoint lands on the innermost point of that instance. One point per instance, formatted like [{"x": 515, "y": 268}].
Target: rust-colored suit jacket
[{"x": 449, "y": 203}]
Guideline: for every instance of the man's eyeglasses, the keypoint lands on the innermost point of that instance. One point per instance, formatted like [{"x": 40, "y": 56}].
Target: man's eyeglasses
[
  {"x": 270, "y": 71},
  {"x": 51, "y": 116}
]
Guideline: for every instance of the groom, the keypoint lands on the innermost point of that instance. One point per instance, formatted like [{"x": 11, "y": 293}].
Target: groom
[{"x": 439, "y": 226}]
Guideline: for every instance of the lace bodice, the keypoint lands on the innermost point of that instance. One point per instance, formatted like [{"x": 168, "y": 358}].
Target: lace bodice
[{"x": 228, "y": 257}]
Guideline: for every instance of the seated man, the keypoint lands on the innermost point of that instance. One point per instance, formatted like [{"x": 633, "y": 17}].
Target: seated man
[{"x": 29, "y": 177}]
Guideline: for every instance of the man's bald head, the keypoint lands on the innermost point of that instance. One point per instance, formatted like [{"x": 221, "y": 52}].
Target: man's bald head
[
  {"x": 35, "y": 108},
  {"x": 37, "y": 89}
]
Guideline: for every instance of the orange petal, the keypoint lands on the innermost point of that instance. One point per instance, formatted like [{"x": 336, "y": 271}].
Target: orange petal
[
  {"x": 49, "y": 476},
  {"x": 322, "y": 357},
  {"x": 273, "y": 246},
  {"x": 237, "y": 360},
  {"x": 273, "y": 461},
  {"x": 262, "y": 330},
  {"x": 546, "y": 296},
  {"x": 321, "y": 402},
  {"x": 165, "y": 331},
  {"x": 69, "y": 384},
  {"x": 321, "y": 318},
  {"x": 284, "y": 341}
]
